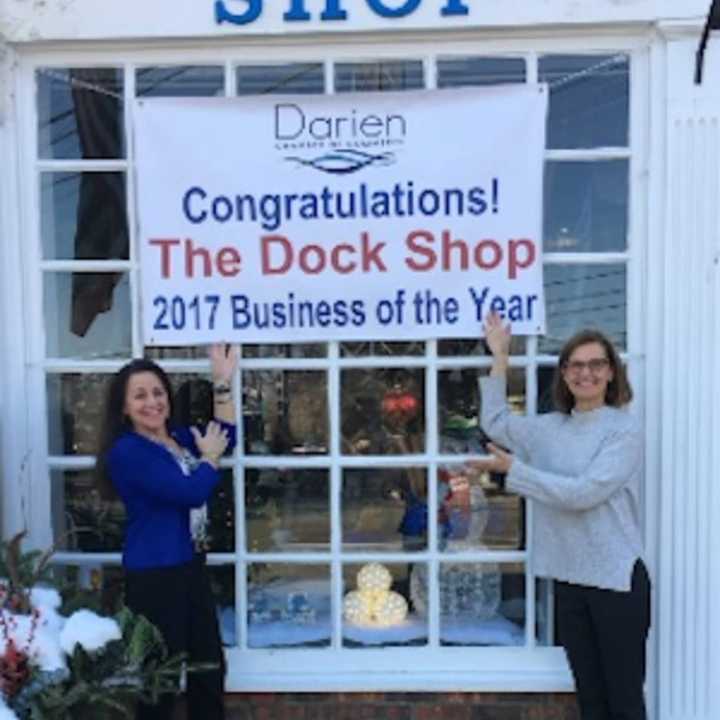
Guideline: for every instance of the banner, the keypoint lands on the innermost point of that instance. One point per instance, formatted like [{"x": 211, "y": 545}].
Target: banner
[{"x": 386, "y": 216}]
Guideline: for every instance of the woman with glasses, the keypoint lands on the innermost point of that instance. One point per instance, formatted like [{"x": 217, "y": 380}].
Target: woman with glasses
[{"x": 582, "y": 465}]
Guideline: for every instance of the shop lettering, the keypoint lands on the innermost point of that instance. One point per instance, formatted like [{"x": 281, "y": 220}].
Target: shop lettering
[
  {"x": 278, "y": 256},
  {"x": 244, "y": 12}
]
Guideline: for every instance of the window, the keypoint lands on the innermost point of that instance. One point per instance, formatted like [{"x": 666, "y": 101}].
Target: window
[{"x": 350, "y": 453}]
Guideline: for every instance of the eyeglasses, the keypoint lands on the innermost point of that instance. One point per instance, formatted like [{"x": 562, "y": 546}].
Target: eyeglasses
[{"x": 595, "y": 366}]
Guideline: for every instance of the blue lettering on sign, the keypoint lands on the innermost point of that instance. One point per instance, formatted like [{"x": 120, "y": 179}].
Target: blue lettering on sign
[{"x": 297, "y": 12}]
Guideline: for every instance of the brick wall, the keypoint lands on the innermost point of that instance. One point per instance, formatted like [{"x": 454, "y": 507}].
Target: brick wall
[{"x": 400, "y": 706}]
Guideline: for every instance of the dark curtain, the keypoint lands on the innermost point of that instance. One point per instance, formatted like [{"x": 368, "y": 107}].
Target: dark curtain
[
  {"x": 101, "y": 231},
  {"x": 713, "y": 23}
]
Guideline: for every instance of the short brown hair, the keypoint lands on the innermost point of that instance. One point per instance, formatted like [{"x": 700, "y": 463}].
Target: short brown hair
[{"x": 618, "y": 391}]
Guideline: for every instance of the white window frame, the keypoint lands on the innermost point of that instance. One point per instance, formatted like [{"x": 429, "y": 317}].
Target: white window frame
[{"x": 496, "y": 669}]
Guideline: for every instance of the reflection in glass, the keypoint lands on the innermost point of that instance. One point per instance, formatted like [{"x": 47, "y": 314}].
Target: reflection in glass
[
  {"x": 294, "y": 350},
  {"x": 586, "y": 206},
  {"x": 180, "y": 81},
  {"x": 288, "y": 605},
  {"x": 72, "y": 329},
  {"x": 222, "y": 584},
  {"x": 384, "y": 509},
  {"x": 292, "y": 79},
  {"x": 94, "y": 586},
  {"x": 287, "y": 510},
  {"x": 221, "y": 515},
  {"x": 458, "y": 71},
  {"x": 544, "y": 613},
  {"x": 381, "y": 349},
  {"x": 381, "y": 75},
  {"x": 81, "y": 519},
  {"x": 368, "y": 628},
  {"x": 582, "y": 296},
  {"x": 587, "y": 108},
  {"x": 75, "y": 407},
  {"x": 477, "y": 346},
  {"x": 475, "y": 513},
  {"x": 382, "y": 411},
  {"x": 64, "y": 197},
  {"x": 80, "y": 113},
  {"x": 481, "y": 603},
  {"x": 160, "y": 352},
  {"x": 285, "y": 412},
  {"x": 458, "y": 408},
  {"x": 546, "y": 375}
]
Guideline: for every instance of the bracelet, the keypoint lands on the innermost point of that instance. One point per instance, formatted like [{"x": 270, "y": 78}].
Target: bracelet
[{"x": 222, "y": 389}]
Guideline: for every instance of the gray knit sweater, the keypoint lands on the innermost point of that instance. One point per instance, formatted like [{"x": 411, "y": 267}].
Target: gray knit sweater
[{"x": 584, "y": 471}]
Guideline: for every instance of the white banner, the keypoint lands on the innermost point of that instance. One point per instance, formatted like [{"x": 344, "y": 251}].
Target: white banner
[{"x": 362, "y": 216}]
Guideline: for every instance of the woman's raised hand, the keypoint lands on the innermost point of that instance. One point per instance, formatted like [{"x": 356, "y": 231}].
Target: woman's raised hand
[
  {"x": 497, "y": 335},
  {"x": 213, "y": 443},
  {"x": 224, "y": 360}
]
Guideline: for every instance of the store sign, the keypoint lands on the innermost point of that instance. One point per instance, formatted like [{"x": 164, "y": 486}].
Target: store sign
[
  {"x": 380, "y": 215},
  {"x": 243, "y": 12}
]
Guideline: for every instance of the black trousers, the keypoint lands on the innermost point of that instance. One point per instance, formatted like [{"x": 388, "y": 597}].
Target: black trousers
[
  {"x": 604, "y": 633},
  {"x": 178, "y": 600}
]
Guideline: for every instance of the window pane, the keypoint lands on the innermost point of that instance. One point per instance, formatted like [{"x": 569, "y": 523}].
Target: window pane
[
  {"x": 586, "y": 206},
  {"x": 285, "y": 412},
  {"x": 82, "y": 520},
  {"x": 481, "y": 604},
  {"x": 84, "y": 216},
  {"x": 287, "y": 510},
  {"x": 222, "y": 584},
  {"x": 221, "y": 516},
  {"x": 580, "y": 296},
  {"x": 294, "y": 350},
  {"x": 476, "y": 346},
  {"x": 75, "y": 407},
  {"x": 87, "y": 315},
  {"x": 454, "y": 72},
  {"x": 373, "y": 614},
  {"x": 381, "y": 349},
  {"x": 475, "y": 512},
  {"x": 80, "y": 113},
  {"x": 382, "y": 411},
  {"x": 297, "y": 78},
  {"x": 94, "y": 586},
  {"x": 384, "y": 509},
  {"x": 382, "y": 75},
  {"x": 544, "y": 613},
  {"x": 288, "y": 605},
  {"x": 458, "y": 408},
  {"x": 588, "y": 108},
  {"x": 180, "y": 81}
]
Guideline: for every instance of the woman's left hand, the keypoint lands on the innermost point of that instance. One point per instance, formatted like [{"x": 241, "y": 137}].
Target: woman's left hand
[
  {"x": 224, "y": 360},
  {"x": 499, "y": 461}
]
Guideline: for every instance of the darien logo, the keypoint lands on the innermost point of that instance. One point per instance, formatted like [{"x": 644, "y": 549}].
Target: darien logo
[
  {"x": 243, "y": 12},
  {"x": 349, "y": 142}
]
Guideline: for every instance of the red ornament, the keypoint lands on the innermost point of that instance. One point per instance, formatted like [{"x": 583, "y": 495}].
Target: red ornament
[{"x": 400, "y": 405}]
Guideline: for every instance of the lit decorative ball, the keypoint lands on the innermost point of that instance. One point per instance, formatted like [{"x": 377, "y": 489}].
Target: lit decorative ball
[
  {"x": 391, "y": 610},
  {"x": 356, "y": 608},
  {"x": 374, "y": 576}
]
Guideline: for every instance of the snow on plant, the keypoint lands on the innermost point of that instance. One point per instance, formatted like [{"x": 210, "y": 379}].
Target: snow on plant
[{"x": 54, "y": 667}]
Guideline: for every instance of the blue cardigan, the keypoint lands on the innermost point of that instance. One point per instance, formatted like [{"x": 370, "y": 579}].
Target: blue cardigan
[{"x": 158, "y": 497}]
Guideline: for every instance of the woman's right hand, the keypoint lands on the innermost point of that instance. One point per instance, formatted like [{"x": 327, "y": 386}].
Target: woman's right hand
[
  {"x": 497, "y": 336},
  {"x": 212, "y": 444}
]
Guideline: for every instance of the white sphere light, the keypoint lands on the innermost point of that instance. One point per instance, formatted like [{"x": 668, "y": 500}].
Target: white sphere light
[
  {"x": 374, "y": 603},
  {"x": 374, "y": 576},
  {"x": 392, "y": 610},
  {"x": 356, "y": 608}
]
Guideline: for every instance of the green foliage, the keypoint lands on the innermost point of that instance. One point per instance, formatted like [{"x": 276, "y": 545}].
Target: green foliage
[{"x": 105, "y": 684}]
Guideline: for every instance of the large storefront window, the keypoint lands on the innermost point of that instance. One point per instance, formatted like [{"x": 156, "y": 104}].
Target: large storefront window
[{"x": 350, "y": 453}]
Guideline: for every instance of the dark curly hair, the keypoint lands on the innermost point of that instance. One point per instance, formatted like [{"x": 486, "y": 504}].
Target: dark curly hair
[
  {"x": 618, "y": 391},
  {"x": 114, "y": 421}
]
